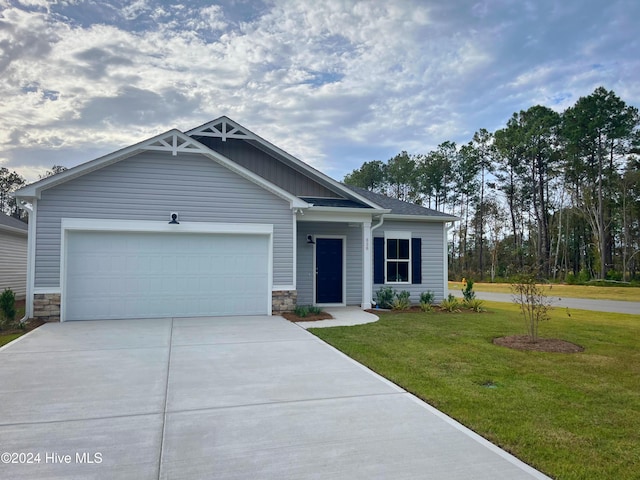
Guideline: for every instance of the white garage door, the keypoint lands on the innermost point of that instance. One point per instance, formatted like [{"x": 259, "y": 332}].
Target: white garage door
[{"x": 147, "y": 275}]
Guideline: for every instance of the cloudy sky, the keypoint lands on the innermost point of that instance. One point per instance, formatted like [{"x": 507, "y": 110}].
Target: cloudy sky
[{"x": 334, "y": 82}]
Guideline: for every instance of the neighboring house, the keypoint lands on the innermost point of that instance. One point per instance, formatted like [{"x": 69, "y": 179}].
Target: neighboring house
[
  {"x": 13, "y": 255},
  {"x": 255, "y": 231}
]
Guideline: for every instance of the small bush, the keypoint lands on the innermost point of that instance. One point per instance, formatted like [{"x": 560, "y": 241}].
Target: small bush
[
  {"x": 475, "y": 305},
  {"x": 7, "y": 308},
  {"x": 583, "y": 277},
  {"x": 451, "y": 304},
  {"x": 384, "y": 297},
  {"x": 426, "y": 306},
  {"x": 467, "y": 290},
  {"x": 301, "y": 311},
  {"x": 533, "y": 303},
  {"x": 571, "y": 278},
  {"x": 427, "y": 297},
  {"x": 401, "y": 301},
  {"x": 314, "y": 310}
]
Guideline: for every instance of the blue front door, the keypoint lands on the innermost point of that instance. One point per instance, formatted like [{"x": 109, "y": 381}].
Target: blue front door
[{"x": 329, "y": 270}]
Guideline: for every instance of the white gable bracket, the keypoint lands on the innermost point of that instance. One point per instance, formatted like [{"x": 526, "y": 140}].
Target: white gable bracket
[
  {"x": 173, "y": 143},
  {"x": 222, "y": 129}
]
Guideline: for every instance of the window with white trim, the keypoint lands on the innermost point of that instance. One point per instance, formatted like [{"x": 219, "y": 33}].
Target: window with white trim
[{"x": 397, "y": 257}]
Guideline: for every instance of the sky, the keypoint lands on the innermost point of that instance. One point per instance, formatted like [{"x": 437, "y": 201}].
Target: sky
[{"x": 335, "y": 83}]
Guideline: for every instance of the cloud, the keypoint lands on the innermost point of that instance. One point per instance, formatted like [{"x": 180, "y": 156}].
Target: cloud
[{"x": 330, "y": 81}]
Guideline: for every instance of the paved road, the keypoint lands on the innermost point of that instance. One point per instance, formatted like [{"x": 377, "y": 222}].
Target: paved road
[{"x": 576, "y": 303}]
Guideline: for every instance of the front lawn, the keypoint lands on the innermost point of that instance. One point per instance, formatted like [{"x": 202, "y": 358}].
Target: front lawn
[
  {"x": 572, "y": 416},
  {"x": 629, "y": 294}
]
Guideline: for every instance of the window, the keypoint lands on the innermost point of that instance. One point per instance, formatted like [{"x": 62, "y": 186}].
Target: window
[{"x": 397, "y": 260}]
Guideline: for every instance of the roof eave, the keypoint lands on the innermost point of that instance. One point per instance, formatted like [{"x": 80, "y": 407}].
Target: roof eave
[
  {"x": 422, "y": 218},
  {"x": 370, "y": 211},
  {"x": 9, "y": 229}
]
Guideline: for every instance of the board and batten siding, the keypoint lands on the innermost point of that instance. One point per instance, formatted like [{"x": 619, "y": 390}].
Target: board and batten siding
[
  {"x": 269, "y": 168},
  {"x": 305, "y": 259},
  {"x": 13, "y": 262},
  {"x": 433, "y": 257},
  {"x": 149, "y": 186}
]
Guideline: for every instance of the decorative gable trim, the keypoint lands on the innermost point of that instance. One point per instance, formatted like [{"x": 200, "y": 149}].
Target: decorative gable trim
[
  {"x": 173, "y": 141},
  {"x": 222, "y": 128}
]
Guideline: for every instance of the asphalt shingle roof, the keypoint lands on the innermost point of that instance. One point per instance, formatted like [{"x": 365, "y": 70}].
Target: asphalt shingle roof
[
  {"x": 397, "y": 207},
  {"x": 12, "y": 222}
]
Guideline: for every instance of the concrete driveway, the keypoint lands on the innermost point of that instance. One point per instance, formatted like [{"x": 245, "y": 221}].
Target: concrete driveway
[{"x": 242, "y": 397}]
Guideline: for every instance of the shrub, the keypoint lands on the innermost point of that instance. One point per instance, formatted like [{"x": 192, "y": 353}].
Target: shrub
[
  {"x": 583, "y": 277},
  {"x": 7, "y": 307},
  {"x": 467, "y": 290},
  {"x": 450, "y": 304},
  {"x": 384, "y": 297},
  {"x": 426, "y": 307},
  {"x": 533, "y": 303},
  {"x": 301, "y": 311},
  {"x": 475, "y": 305},
  {"x": 314, "y": 310},
  {"x": 401, "y": 301},
  {"x": 427, "y": 297}
]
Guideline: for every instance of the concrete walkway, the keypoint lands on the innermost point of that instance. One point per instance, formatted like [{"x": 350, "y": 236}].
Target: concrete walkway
[
  {"x": 224, "y": 398},
  {"x": 564, "y": 302},
  {"x": 342, "y": 317}
]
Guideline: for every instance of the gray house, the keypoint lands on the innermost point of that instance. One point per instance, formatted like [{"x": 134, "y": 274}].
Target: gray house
[
  {"x": 218, "y": 221},
  {"x": 13, "y": 255}
]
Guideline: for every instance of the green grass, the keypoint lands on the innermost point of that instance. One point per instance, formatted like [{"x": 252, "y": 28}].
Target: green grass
[
  {"x": 4, "y": 339},
  {"x": 573, "y": 416},
  {"x": 630, "y": 294}
]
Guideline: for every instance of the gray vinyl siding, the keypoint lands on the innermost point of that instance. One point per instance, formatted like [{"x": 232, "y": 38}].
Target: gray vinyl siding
[
  {"x": 433, "y": 261},
  {"x": 13, "y": 262},
  {"x": 305, "y": 259},
  {"x": 263, "y": 164},
  {"x": 149, "y": 186}
]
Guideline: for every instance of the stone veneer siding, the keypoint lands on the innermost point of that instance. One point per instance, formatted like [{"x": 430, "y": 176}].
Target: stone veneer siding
[
  {"x": 283, "y": 301},
  {"x": 46, "y": 307}
]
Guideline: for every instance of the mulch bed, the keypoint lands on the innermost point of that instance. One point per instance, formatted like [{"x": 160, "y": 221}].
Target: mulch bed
[
  {"x": 292, "y": 317},
  {"x": 523, "y": 342},
  {"x": 29, "y": 325}
]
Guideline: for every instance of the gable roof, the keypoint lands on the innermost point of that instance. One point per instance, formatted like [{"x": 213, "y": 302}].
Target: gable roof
[
  {"x": 223, "y": 127},
  {"x": 173, "y": 141},
  {"x": 400, "y": 208},
  {"x": 12, "y": 224}
]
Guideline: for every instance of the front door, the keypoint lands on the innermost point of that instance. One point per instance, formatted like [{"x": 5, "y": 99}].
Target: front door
[{"x": 329, "y": 261}]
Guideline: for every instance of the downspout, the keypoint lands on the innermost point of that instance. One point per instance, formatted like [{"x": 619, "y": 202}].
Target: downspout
[
  {"x": 372, "y": 229},
  {"x": 30, "y": 238},
  {"x": 446, "y": 259}
]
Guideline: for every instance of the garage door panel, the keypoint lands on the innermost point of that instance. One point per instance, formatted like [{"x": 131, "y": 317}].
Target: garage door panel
[{"x": 138, "y": 275}]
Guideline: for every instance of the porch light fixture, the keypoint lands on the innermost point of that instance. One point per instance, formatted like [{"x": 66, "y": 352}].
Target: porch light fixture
[
  {"x": 310, "y": 240},
  {"x": 174, "y": 219}
]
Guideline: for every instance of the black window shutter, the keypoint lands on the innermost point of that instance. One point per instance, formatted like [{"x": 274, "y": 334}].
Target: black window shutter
[
  {"x": 416, "y": 260},
  {"x": 378, "y": 260}
]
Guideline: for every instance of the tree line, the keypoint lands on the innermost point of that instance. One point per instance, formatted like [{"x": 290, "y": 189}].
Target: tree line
[
  {"x": 10, "y": 181},
  {"x": 554, "y": 193}
]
